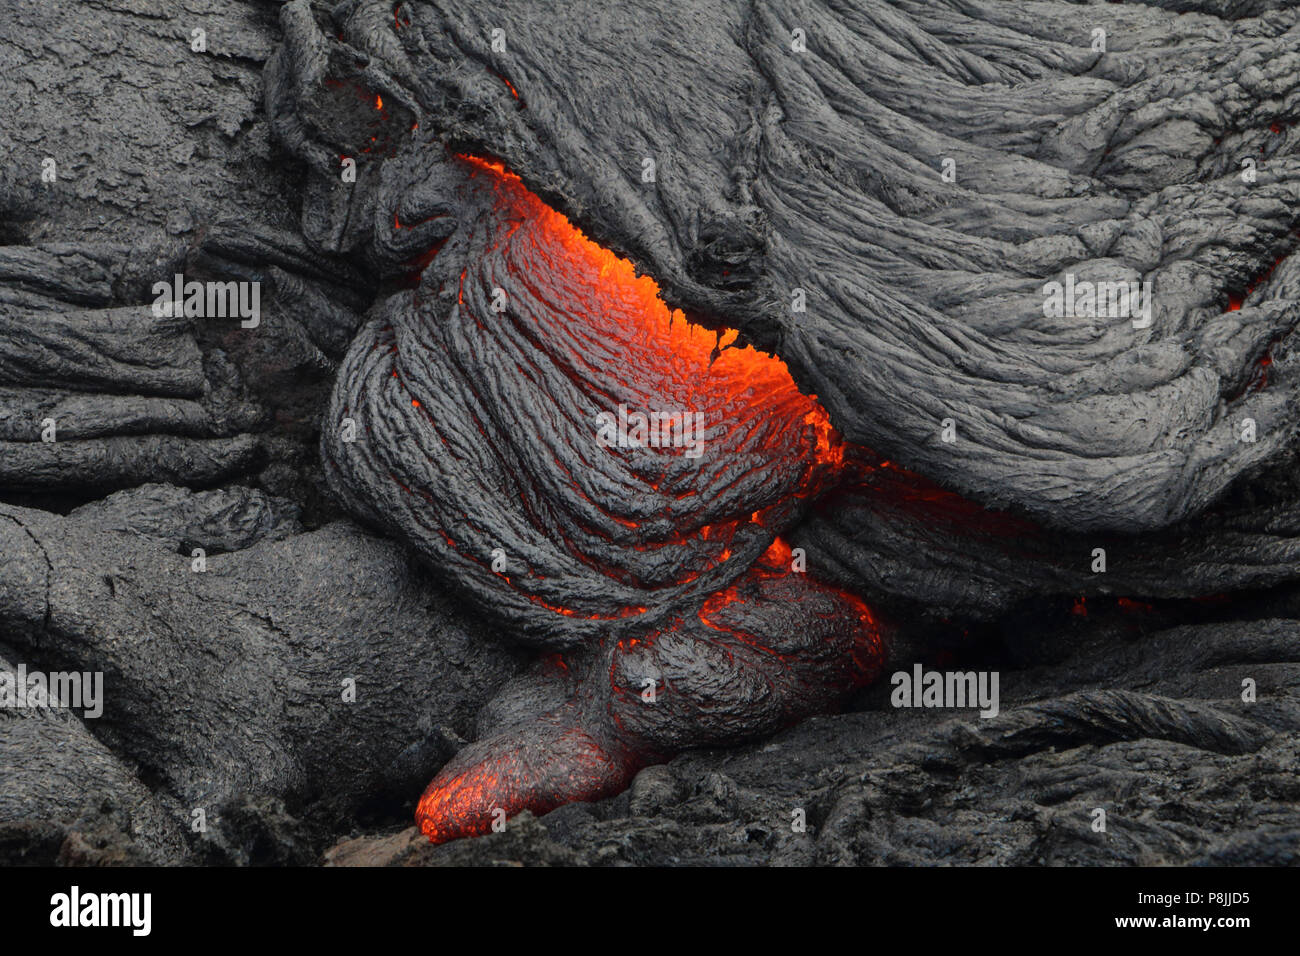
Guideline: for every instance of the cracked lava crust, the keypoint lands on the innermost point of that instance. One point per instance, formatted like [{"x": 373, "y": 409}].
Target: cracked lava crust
[{"x": 466, "y": 422}]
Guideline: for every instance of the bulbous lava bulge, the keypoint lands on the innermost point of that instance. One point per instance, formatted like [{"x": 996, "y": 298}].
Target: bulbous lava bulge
[{"x": 604, "y": 479}]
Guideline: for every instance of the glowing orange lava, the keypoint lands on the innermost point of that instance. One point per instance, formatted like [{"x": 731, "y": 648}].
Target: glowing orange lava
[
  {"x": 616, "y": 333},
  {"x": 691, "y": 365}
]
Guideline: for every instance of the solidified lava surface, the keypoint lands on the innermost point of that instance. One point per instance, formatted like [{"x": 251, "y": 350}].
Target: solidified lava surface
[
  {"x": 484, "y": 417},
  {"x": 869, "y": 217}
]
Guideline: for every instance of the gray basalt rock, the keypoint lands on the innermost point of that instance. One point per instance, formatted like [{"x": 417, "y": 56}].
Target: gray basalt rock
[
  {"x": 300, "y": 667},
  {"x": 1186, "y": 772},
  {"x": 820, "y": 169},
  {"x": 877, "y": 194},
  {"x": 57, "y": 772}
]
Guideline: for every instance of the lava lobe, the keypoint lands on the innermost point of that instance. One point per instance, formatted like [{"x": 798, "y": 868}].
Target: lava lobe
[{"x": 605, "y": 480}]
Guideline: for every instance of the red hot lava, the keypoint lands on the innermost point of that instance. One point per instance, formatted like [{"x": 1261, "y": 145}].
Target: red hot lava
[{"x": 767, "y": 649}]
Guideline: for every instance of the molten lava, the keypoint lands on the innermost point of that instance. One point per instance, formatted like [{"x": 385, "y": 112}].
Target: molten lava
[
  {"x": 678, "y": 363},
  {"x": 765, "y": 644}
]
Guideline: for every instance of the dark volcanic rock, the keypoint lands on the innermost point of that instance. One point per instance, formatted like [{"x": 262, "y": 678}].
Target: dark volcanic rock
[
  {"x": 57, "y": 772},
  {"x": 881, "y": 196},
  {"x": 300, "y": 668},
  {"x": 1184, "y": 769},
  {"x": 819, "y": 170},
  {"x": 875, "y": 193}
]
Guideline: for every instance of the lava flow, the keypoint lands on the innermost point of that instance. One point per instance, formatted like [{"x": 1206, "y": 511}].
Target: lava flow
[
  {"x": 604, "y": 479},
  {"x": 764, "y": 647}
]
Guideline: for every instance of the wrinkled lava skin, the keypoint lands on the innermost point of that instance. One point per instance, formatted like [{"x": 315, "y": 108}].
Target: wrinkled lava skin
[
  {"x": 466, "y": 422},
  {"x": 463, "y": 417}
]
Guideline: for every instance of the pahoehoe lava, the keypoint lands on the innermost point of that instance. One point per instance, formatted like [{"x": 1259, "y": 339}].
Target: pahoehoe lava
[
  {"x": 531, "y": 614},
  {"x": 465, "y": 419},
  {"x": 463, "y": 415}
]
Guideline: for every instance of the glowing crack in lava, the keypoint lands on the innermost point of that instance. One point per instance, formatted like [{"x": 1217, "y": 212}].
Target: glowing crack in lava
[{"x": 651, "y": 563}]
